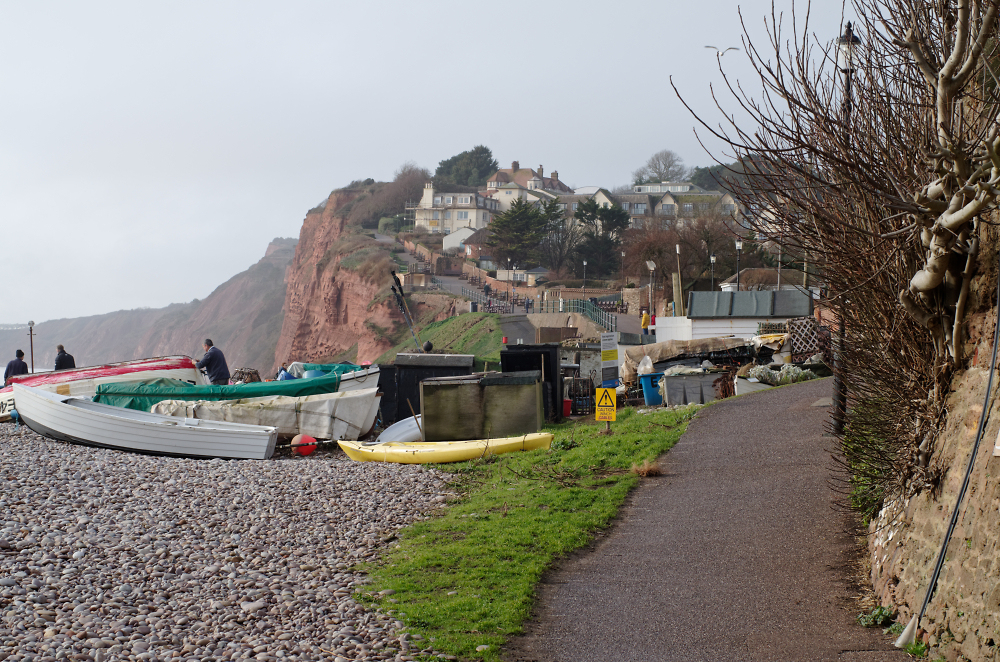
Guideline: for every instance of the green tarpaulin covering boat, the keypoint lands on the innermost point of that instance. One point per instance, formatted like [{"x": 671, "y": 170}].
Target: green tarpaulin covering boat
[{"x": 141, "y": 396}]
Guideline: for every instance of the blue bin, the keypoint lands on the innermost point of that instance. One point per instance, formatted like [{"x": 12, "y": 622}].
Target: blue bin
[{"x": 650, "y": 388}]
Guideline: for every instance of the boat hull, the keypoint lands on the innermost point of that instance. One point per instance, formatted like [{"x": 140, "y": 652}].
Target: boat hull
[
  {"x": 425, "y": 452},
  {"x": 84, "y": 381},
  {"x": 80, "y": 421}
]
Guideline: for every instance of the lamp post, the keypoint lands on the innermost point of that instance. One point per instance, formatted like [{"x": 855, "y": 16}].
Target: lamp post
[
  {"x": 739, "y": 249},
  {"x": 713, "y": 272},
  {"x": 680, "y": 283},
  {"x": 584, "y": 280},
  {"x": 509, "y": 277},
  {"x": 652, "y": 267},
  {"x": 846, "y": 46},
  {"x": 31, "y": 342},
  {"x": 623, "y": 275}
]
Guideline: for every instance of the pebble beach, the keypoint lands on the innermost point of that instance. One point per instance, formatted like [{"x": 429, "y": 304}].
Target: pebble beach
[{"x": 106, "y": 555}]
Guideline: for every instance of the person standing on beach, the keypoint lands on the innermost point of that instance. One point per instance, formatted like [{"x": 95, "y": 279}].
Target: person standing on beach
[
  {"x": 15, "y": 367},
  {"x": 214, "y": 364},
  {"x": 64, "y": 361}
]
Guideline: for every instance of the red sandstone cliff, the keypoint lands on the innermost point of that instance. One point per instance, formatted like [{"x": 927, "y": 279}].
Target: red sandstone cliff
[{"x": 328, "y": 310}]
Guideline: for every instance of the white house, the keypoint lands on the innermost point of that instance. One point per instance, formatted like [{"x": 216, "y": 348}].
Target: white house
[
  {"x": 446, "y": 212},
  {"x": 457, "y": 238}
]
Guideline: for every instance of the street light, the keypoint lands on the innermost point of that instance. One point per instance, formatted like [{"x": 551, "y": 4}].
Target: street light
[
  {"x": 652, "y": 267},
  {"x": 739, "y": 249},
  {"x": 680, "y": 283},
  {"x": 846, "y": 47},
  {"x": 713, "y": 272},
  {"x": 31, "y": 342},
  {"x": 584, "y": 280}
]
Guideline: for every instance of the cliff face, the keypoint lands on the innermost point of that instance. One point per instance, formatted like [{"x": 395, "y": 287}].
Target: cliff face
[
  {"x": 242, "y": 316},
  {"x": 332, "y": 313}
]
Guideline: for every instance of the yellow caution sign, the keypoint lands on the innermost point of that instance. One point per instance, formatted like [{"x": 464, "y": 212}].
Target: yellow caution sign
[
  {"x": 609, "y": 355},
  {"x": 606, "y": 404}
]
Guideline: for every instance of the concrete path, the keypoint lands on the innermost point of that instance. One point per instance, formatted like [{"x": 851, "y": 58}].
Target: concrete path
[{"x": 735, "y": 553}]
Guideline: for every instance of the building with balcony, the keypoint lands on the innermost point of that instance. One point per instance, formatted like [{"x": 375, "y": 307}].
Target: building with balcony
[{"x": 443, "y": 212}]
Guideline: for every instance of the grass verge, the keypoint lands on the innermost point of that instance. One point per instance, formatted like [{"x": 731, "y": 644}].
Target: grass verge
[
  {"x": 469, "y": 333},
  {"x": 467, "y": 578}
]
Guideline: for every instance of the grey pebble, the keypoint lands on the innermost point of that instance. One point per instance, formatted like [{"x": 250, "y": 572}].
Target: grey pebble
[{"x": 141, "y": 556}]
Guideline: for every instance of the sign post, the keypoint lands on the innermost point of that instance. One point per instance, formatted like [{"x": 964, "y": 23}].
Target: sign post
[
  {"x": 609, "y": 360},
  {"x": 606, "y": 407}
]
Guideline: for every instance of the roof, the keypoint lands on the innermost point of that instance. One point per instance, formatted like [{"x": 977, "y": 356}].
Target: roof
[
  {"x": 758, "y": 304},
  {"x": 479, "y": 237},
  {"x": 538, "y": 270},
  {"x": 756, "y": 276},
  {"x": 522, "y": 176}
]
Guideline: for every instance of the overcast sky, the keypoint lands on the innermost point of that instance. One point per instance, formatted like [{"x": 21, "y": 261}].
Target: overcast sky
[{"x": 150, "y": 151}]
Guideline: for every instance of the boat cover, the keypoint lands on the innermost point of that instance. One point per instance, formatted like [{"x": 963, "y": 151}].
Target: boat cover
[
  {"x": 143, "y": 395},
  {"x": 323, "y": 416},
  {"x": 297, "y": 369}
]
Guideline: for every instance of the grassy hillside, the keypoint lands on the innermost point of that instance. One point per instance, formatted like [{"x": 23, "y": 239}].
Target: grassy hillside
[{"x": 470, "y": 333}]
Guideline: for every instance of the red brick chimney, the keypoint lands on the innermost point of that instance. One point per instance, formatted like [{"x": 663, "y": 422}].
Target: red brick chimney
[
  {"x": 541, "y": 171},
  {"x": 515, "y": 166},
  {"x": 555, "y": 175}
]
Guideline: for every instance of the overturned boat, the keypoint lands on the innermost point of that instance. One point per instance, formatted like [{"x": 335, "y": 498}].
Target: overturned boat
[
  {"x": 424, "y": 452},
  {"x": 340, "y": 415},
  {"x": 79, "y": 420},
  {"x": 84, "y": 381}
]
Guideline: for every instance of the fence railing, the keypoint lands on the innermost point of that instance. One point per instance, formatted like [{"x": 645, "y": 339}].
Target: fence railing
[
  {"x": 598, "y": 316},
  {"x": 488, "y": 304}
]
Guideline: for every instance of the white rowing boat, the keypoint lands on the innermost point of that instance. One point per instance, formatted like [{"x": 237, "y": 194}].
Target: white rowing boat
[
  {"x": 82, "y": 421},
  {"x": 84, "y": 381}
]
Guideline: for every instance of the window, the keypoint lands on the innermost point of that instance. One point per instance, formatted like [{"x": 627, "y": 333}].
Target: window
[
  {"x": 625, "y": 206},
  {"x": 639, "y": 208},
  {"x": 447, "y": 230},
  {"x": 688, "y": 207},
  {"x": 462, "y": 215},
  {"x": 562, "y": 206},
  {"x": 486, "y": 216},
  {"x": 435, "y": 215},
  {"x": 468, "y": 250},
  {"x": 437, "y": 199},
  {"x": 447, "y": 216},
  {"x": 508, "y": 192},
  {"x": 447, "y": 200},
  {"x": 605, "y": 205},
  {"x": 576, "y": 205},
  {"x": 668, "y": 210},
  {"x": 728, "y": 209},
  {"x": 703, "y": 206},
  {"x": 464, "y": 200}
]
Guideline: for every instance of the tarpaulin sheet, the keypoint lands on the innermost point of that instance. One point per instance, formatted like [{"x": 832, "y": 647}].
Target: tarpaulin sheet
[
  {"x": 325, "y": 416},
  {"x": 297, "y": 369},
  {"x": 143, "y": 395},
  {"x": 671, "y": 349}
]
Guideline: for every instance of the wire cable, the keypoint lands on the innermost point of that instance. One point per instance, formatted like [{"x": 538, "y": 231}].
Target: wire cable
[{"x": 972, "y": 462}]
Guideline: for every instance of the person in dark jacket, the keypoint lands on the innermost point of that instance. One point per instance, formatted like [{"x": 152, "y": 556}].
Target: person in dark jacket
[
  {"x": 64, "y": 361},
  {"x": 15, "y": 367},
  {"x": 214, "y": 364}
]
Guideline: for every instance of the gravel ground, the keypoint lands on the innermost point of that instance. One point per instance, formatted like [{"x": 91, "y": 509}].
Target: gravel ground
[{"x": 107, "y": 555}]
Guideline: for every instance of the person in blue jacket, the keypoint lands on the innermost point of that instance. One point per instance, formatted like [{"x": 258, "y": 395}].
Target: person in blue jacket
[
  {"x": 15, "y": 367},
  {"x": 214, "y": 363}
]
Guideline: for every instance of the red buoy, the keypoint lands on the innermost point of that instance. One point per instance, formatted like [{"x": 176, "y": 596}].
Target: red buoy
[{"x": 303, "y": 444}]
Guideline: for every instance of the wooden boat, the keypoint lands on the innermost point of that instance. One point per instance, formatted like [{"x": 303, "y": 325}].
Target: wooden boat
[
  {"x": 423, "y": 452},
  {"x": 84, "y": 381},
  {"x": 82, "y": 421}
]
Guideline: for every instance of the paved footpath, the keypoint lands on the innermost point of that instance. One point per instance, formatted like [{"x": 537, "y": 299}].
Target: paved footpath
[{"x": 735, "y": 553}]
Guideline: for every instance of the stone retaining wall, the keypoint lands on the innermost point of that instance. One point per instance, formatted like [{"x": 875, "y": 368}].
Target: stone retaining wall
[{"x": 962, "y": 621}]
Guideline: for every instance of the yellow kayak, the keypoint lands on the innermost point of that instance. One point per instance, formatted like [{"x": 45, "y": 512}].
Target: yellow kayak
[{"x": 421, "y": 452}]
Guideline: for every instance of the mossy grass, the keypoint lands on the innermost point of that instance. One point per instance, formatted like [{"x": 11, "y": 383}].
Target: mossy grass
[
  {"x": 470, "y": 333},
  {"x": 466, "y": 577}
]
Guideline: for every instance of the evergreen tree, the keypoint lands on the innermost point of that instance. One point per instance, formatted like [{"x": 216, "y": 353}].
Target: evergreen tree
[
  {"x": 563, "y": 238},
  {"x": 603, "y": 230},
  {"x": 516, "y": 233},
  {"x": 470, "y": 168}
]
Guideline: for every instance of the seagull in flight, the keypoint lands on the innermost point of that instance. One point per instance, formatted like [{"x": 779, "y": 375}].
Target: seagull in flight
[{"x": 721, "y": 52}]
